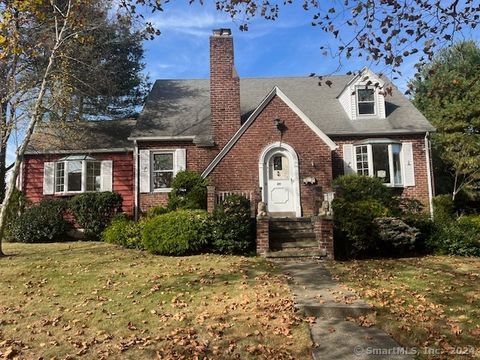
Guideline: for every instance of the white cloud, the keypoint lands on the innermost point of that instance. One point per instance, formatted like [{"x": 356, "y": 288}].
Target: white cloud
[{"x": 193, "y": 23}]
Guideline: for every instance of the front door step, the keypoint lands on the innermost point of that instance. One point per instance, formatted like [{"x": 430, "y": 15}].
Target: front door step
[
  {"x": 293, "y": 238},
  {"x": 283, "y": 215},
  {"x": 292, "y": 253}
]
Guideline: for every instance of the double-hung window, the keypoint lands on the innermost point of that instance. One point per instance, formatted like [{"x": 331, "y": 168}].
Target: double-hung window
[
  {"x": 158, "y": 167},
  {"x": 382, "y": 160},
  {"x": 162, "y": 170},
  {"x": 365, "y": 101}
]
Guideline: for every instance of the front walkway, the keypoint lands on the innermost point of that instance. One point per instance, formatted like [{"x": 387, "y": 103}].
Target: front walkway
[{"x": 335, "y": 337}]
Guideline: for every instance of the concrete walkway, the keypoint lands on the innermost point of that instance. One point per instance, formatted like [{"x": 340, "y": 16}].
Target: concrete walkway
[{"x": 318, "y": 295}]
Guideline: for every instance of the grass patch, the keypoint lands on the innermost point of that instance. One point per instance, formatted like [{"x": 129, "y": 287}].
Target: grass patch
[
  {"x": 429, "y": 302},
  {"x": 98, "y": 301}
]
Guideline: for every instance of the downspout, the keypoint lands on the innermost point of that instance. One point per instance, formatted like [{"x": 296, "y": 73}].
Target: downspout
[
  {"x": 135, "y": 157},
  {"x": 429, "y": 172}
]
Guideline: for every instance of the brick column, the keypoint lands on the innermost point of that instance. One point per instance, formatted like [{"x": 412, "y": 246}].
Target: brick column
[
  {"x": 323, "y": 227},
  {"x": 210, "y": 198},
  {"x": 262, "y": 235}
]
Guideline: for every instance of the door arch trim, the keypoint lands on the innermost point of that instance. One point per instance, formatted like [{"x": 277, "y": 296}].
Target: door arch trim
[{"x": 266, "y": 153}]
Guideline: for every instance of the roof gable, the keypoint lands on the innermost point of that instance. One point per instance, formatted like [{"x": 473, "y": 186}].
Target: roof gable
[{"x": 274, "y": 92}]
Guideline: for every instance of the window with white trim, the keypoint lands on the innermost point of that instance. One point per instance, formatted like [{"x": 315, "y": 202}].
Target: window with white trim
[
  {"x": 365, "y": 101},
  {"x": 75, "y": 174},
  {"x": 380, "y": 160},
  {"x": 163, "y": 169}
]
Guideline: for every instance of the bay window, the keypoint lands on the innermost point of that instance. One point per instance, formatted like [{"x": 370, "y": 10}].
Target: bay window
[
  {"x": 77, "y": 174},
  {"x": 382, "y": 160}
]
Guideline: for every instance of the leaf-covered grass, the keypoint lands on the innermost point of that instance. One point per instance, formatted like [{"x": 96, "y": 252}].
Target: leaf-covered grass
[
  {"x": 98, "y": 301},
  {"x": 429, "y": 302}
]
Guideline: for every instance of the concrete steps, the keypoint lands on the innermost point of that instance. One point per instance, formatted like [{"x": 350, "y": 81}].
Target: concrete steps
[{"x": 293, "y": 238}]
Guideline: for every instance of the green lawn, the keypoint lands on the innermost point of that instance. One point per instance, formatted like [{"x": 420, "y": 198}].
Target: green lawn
[
  {"x": 97, "y": 301},
  {"x": 431, "y": 302}
]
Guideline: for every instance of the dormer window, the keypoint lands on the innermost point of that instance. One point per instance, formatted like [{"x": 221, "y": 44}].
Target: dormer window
[{"x": 366, "y": 101}]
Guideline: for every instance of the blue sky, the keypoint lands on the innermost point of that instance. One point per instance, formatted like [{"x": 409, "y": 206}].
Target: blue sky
[{"x": 289, "y": 46}]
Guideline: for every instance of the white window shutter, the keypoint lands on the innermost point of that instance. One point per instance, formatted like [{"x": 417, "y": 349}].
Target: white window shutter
[
  {"x": 48, "y": 178},
  {"x": 348, "y": 156},
  {"x": 106, "y": 172},
  {"x": 144, "y": 171},
  {"x": 408, "y": 168},
  {"x": 180, "y": 160}
]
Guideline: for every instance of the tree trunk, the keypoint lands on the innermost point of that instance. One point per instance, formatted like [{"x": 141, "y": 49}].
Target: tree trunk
[{"x": 34, "y": 119}]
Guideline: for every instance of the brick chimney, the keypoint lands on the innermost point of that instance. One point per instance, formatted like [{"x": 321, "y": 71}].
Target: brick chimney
[{"x": 224, "y": 87}]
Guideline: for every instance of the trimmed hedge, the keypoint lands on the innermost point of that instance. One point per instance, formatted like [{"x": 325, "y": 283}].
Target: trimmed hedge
[
  {"x": 43, "y": 222},
  {"x": 181, "y": 232},
  {"x": 94, "y": 211},
  {"x": 232, "y": 226},
  {"x": 124, "y": 232}
]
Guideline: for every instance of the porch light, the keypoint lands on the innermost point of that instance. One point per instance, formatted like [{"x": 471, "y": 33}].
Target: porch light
[{"x": 280, "y": 125}]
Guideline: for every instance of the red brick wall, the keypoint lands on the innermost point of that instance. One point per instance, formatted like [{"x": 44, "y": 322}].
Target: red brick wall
[
  {"x": 420, "y": 190},
  {"x": 123, "y": 176},
  {"x": 239, "y": 168},
  {"x": 224, "y": 90},
  {"x": 197, "y": 159}
]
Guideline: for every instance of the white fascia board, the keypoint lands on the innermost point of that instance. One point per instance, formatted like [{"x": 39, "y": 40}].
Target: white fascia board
[
  {"x": 355, "y": 79},
  {"x": 251, "y": 119}
]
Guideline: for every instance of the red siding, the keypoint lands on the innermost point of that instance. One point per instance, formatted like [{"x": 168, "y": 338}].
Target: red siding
[{"x": 123, "y": 176}]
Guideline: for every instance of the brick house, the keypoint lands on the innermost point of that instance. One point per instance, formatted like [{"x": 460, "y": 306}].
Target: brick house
[{"x": 279, "y": 141}]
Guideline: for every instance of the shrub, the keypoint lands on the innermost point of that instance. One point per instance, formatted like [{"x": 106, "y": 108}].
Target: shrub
[
  {"x": 353, "y": 188},
  {"x": 443, "y": 208},
  {"x": 355, "y": 220},
  {"x": 457, "y": 238},
  {"x": 94, "y": 211},
  {"x": 232, "y": 226},
  {"x": 189, "y": 191},
  {"x": 155, "y": 211},
  {"x": 16, "y": 207},
  {"x": 424, "y": 225},
  {"x": 40, "y": 223},
  {"x": 180, "y": 232},
  {"x": 124, "y": 232},
  {"x": 359, "y": 201},
  {"x": 397, "y": 237}
]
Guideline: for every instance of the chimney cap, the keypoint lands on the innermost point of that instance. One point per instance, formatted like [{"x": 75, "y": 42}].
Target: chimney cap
[{"x": 222, "y": 32}]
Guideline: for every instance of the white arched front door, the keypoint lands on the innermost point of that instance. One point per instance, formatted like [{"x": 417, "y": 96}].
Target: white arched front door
[{"x": 278, "y": 173}]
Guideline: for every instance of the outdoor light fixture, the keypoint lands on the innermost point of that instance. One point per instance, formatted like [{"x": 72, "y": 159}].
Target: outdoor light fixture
[{"x": 280, "y": 125}]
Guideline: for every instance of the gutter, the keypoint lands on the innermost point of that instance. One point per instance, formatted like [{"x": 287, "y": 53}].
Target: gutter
[
  {"x": 135, "y": 187},
  {"x": 77, "y": 151},
  {"x": 163, "y": 138},
  {"x": 428, "y": 159}
]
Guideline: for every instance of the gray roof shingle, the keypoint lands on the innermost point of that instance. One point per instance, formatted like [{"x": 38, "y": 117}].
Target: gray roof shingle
[
  {"x": 86, "y": 135},
  {"x": 182, "y": 107}
]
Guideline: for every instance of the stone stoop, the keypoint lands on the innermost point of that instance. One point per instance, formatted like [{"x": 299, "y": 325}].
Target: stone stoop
[{"x": 293, "y": 238}]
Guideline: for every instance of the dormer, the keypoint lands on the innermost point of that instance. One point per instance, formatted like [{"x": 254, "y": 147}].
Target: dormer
[{"x": 363, "y": 97}]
